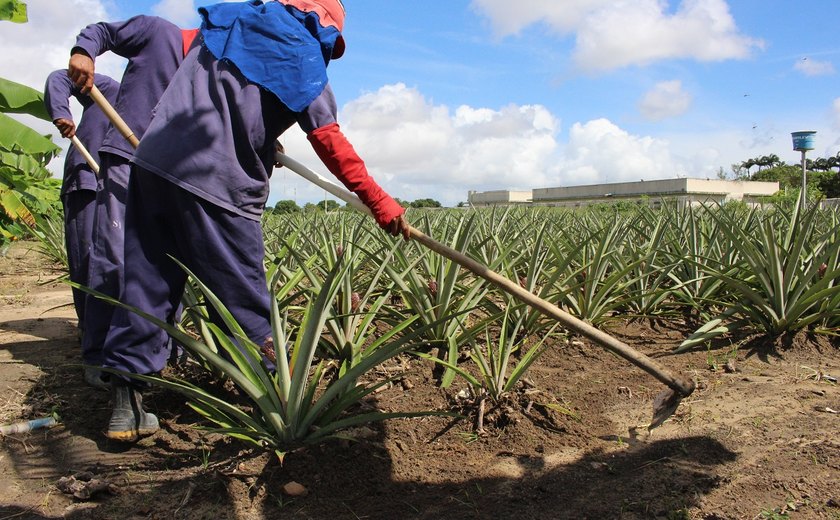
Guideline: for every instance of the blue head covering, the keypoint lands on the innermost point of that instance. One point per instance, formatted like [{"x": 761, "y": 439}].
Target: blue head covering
[{"x": 276, "y": 46}]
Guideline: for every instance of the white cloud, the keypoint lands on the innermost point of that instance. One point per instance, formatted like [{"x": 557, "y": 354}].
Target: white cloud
[
  {"x": 182, "y": 13},
  {"x": 417, "y": 149},
  {"x": 810, "y": 67},
  {"x": 666, "y": 99},
  {"x": 836, "y": 112},
  {"x": 34, "y": 49},
  {"x": 620, "y": 33},
  {"x": 403, "y": 134},
  {"x": 599, "y": 151},
  {"x": 561, "y": 16}
]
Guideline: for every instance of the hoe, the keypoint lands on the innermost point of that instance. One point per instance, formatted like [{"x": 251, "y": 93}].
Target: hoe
[{"x": 665, "y": 403}]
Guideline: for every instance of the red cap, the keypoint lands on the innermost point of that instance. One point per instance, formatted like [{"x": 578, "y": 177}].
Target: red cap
[{"x": 330, "y": 12}]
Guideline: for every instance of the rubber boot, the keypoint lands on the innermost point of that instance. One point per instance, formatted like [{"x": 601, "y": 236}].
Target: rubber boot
[
  {"x": 93, "y": 377},
  {"x": 129, "y": 421}
]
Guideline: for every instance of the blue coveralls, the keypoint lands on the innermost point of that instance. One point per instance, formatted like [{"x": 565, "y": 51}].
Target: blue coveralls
[
  {"x": 154, "y": 49},
  {"x": 78, "y": 187},
  {"x": 197, "y": 192}
]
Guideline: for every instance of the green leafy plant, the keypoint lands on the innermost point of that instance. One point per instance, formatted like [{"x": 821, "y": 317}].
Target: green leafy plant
[
  {"x": 29, "y": 196},
  {"x": 783, "y": 278},
  {"x": 497, "y": 374},
  {"x": 364, "y": 288},
  {"x": 293, "y": 402},
  {"x": 597, "y": 284},
  {"x": 434, "y": 287},
  {"x": 13, "y": 11}
]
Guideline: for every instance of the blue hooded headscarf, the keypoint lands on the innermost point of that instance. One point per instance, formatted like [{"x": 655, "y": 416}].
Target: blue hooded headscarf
[{"x": 276, "y": 46}]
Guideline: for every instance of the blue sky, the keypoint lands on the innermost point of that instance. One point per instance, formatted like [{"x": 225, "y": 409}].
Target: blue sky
[{"x": 441, "y": 97}]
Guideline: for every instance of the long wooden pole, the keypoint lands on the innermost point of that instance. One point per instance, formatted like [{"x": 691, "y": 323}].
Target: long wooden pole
[
  {"x": 86, "y": 154},
  {"x": 114, "y": 117},
  {"x": 678, "y": 383}
]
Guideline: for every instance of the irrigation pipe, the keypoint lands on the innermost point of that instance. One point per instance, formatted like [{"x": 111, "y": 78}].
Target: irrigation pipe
[
  {"x": 665, "y": 403},
  {"x": 27, "y": 426}
]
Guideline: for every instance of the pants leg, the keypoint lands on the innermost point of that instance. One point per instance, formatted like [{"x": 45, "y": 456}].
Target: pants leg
[
  {"x": 107, "y": 252},
  {"x": 79, "y": 207},
  {"x": 228, "y": 258},
  {"x": 152, "y": 282},
  {"x": 224, "y": 250}
]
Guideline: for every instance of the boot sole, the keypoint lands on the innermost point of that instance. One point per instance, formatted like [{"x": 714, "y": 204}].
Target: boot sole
[{"x": 129, "y": 436}]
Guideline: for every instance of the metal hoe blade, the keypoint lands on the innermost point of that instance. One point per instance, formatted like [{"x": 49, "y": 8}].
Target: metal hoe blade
[{"x": 664, "y": 405}]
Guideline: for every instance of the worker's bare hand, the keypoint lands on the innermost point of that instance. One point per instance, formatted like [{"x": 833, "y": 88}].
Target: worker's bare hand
[
  {"x": 80, "y": 69},
  {"x": 399, "y": 226},
  {"x": 66, "y": 126}
]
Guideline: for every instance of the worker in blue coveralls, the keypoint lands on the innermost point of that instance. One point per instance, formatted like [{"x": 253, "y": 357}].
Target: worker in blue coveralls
[
  {"x": 78, "y": 188},
  {"x": 154, "y": 48},
  {"x": 201, "y": 175}
]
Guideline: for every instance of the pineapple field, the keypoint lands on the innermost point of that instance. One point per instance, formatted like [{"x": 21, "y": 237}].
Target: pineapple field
[{"x": 400, "y": 384}]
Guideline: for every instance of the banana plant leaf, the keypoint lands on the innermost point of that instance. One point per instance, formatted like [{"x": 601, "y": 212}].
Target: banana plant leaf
[
  {"x": 14, "y": 208},
  {"x": 16, "y": 98},
  {"x": 30, "y": 167},
  {"x": 17, "y": 137},
  {"x": 13, "y": 11}
]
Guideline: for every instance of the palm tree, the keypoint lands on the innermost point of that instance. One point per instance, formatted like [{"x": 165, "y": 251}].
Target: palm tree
[
  {"x": 820, "y": 165},
  {"x": 749, "y": 163}
]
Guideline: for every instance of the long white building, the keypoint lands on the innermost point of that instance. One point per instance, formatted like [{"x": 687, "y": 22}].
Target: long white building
[{"x": 683, "y": 190}]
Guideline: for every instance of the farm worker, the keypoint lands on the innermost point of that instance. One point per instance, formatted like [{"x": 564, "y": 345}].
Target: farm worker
[
  {"x": 78, "y": 188},
  {"x": 201, "y": 173},
  {"x": 154, "y": 48}
]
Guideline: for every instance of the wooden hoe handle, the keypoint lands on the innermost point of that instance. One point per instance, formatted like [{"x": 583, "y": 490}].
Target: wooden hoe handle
[
  {"x": 85, "y": 153},
  {"x": 677, "y": 383},
  {"x": 113, "y": 116}
]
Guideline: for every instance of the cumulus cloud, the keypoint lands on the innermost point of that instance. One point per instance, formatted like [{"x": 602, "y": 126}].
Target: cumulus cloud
[
  {"x": 32, "y": 50},
  {"x": 666, "y": 99},
  {"x": 599, "y": 151},
  {"x": 814, "y": 67},
  {"x": 405, "y": 135},
  {"x": 614, "y": 34},
  {"x": 418, "y": 149},
  {"x": 180, "y": 12},
  {"x": 563, "y": 17}
]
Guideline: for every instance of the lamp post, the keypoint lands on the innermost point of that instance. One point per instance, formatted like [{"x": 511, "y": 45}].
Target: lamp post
[{"x": 802, "y": 142}]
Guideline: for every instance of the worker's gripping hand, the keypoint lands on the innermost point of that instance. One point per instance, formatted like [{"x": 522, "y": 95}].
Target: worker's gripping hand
[
  {"x": 399, "y": 226},
  {"x": 66, "y": 126},
  {"x": 80, "y": 69}
]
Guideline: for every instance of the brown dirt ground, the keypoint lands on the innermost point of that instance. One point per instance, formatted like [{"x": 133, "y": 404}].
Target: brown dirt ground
[{"x": 757, "y": 442}]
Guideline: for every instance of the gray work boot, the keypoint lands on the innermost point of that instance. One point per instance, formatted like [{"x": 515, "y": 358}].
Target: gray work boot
[
  {"x": 129, "y": 421},
  {"x": 93, "y": 377}
]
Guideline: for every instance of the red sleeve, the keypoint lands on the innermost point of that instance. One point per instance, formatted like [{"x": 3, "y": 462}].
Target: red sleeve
[{"x": 342, "y": 160}]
